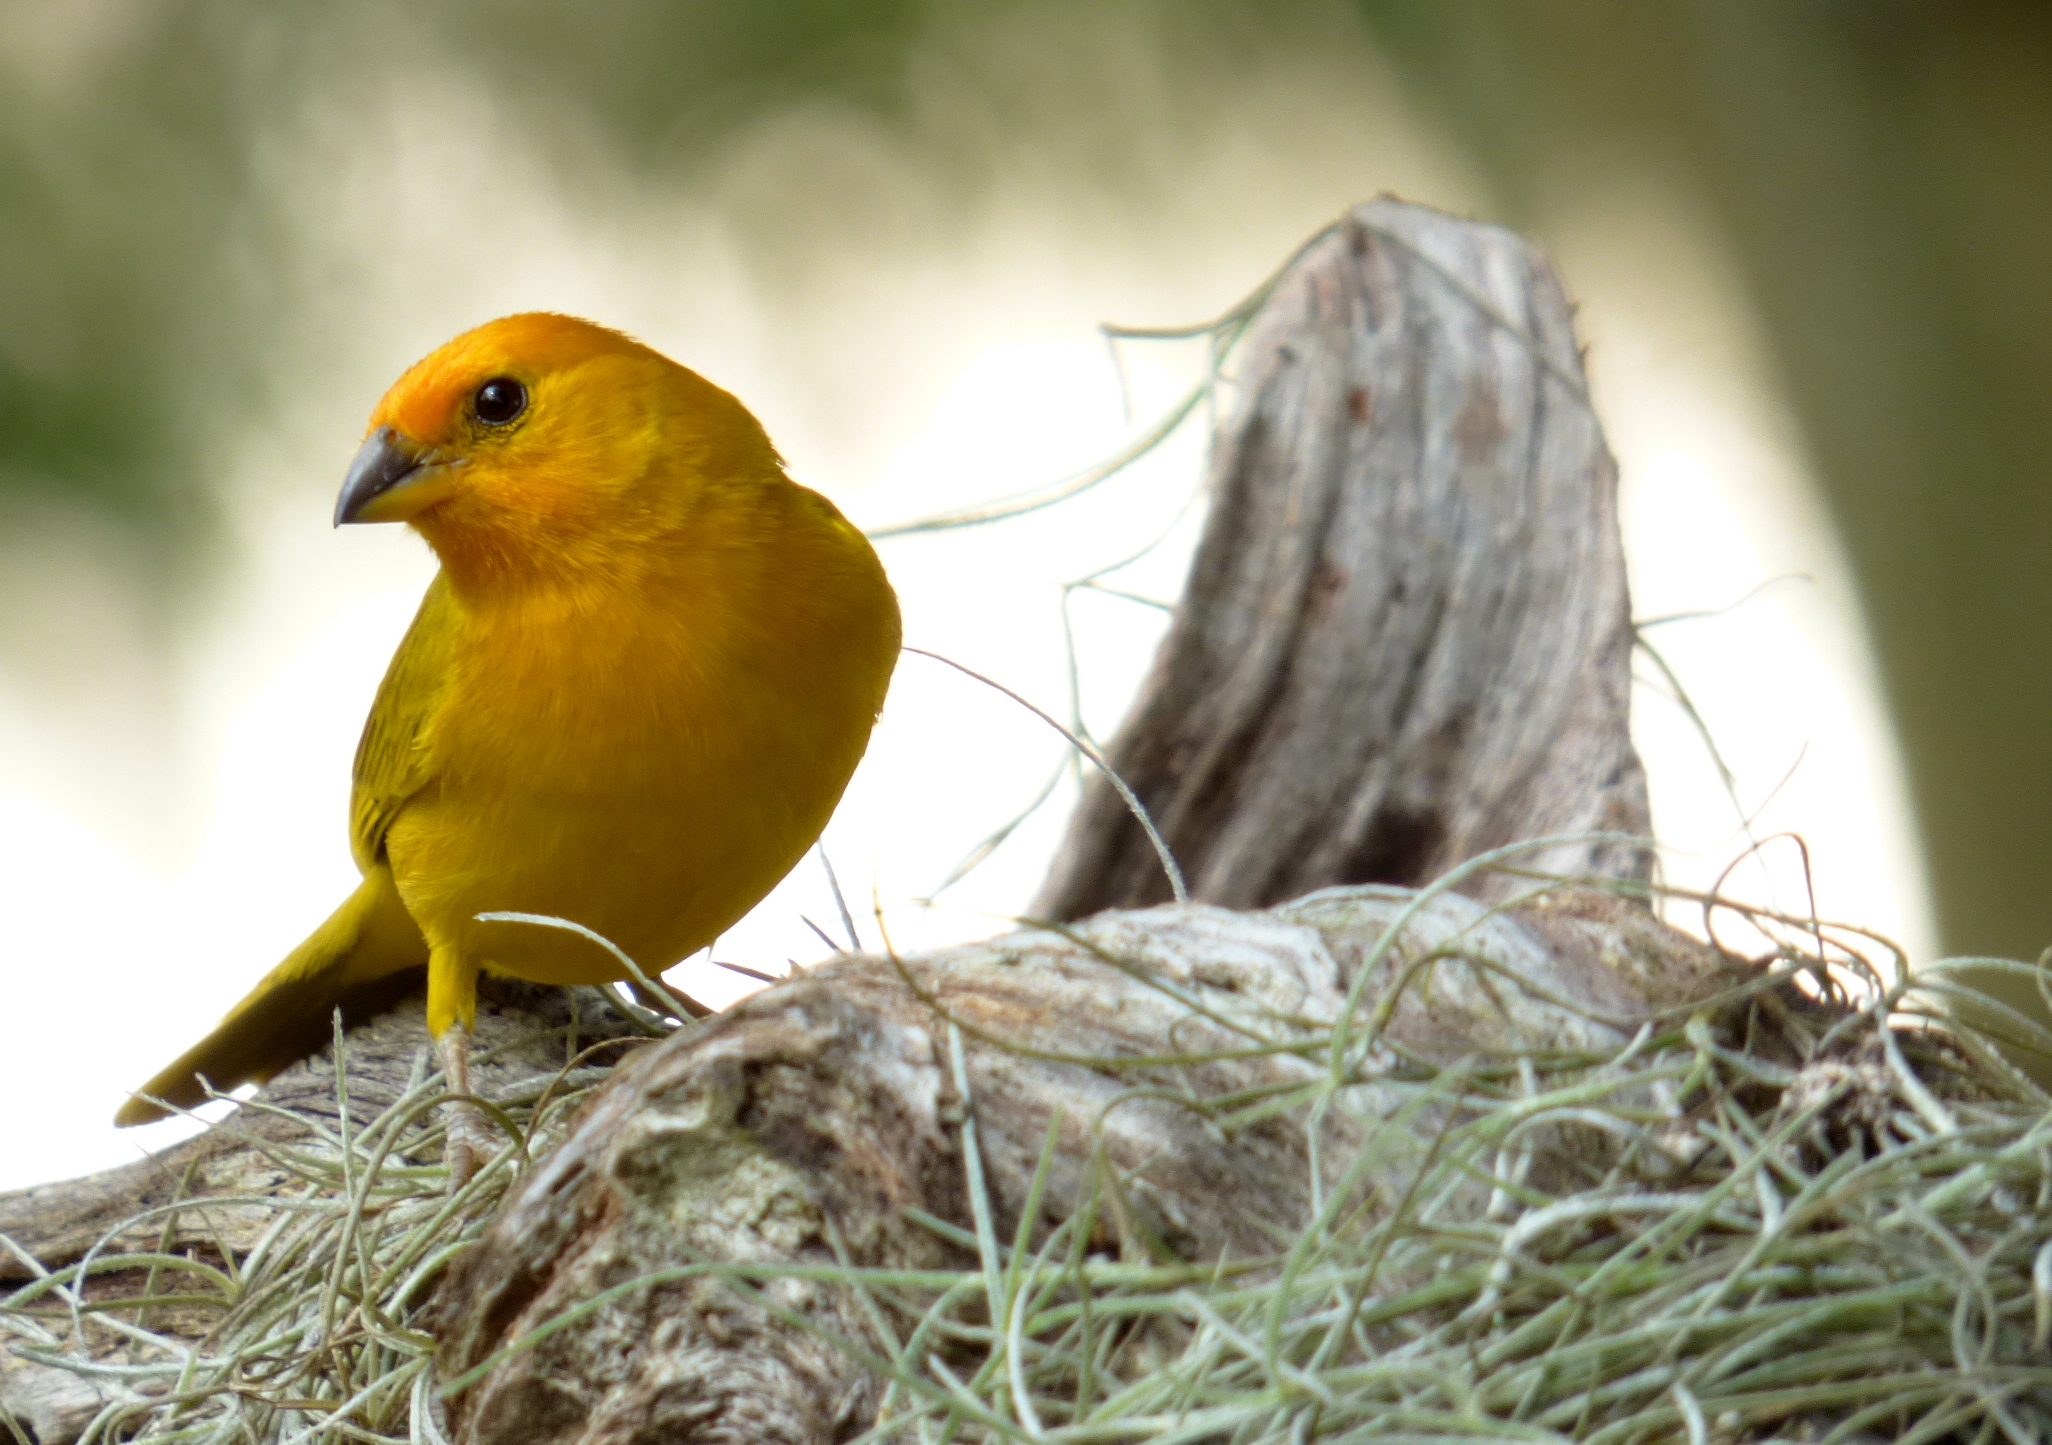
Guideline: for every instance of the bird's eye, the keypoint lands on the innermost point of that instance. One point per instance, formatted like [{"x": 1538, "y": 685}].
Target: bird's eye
[{"x": 499, "y": 400}]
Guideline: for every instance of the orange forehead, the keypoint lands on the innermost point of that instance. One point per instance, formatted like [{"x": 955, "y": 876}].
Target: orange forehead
[{"x": 427, "y": 401}]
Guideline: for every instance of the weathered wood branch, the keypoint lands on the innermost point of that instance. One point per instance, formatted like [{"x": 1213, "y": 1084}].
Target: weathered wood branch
[
  {"x": 806, "y": 1125},
  {"x": 1405, "y": 639},
  {"x": 209, "y": 1196}
]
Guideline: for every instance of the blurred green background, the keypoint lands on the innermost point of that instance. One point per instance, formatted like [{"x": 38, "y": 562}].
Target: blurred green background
[{"x": 1881, "y": 171}]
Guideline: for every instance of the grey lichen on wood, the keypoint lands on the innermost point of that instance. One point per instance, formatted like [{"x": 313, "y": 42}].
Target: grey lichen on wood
[{"x": 1406, "y": 637}]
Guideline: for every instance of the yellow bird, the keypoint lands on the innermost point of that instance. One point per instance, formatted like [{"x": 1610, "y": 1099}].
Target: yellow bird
[{"x": 631, "y": 697}]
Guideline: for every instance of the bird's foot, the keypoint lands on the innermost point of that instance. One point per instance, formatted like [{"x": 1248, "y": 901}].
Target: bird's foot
[{"x": 471, "y": 1139}]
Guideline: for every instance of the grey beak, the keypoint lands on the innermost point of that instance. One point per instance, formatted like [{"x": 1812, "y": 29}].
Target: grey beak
[{"x": 383, "y": 461}]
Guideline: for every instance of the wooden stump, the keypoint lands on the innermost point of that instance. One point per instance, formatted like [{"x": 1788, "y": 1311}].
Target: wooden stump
[{"x": 1406, "y": 638}]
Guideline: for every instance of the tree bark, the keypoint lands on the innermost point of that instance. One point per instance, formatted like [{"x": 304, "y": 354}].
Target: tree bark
[{"x": 1406, "y": 637}]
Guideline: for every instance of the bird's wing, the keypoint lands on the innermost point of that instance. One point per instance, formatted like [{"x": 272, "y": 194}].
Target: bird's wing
[{"x": 392, "y": 761}]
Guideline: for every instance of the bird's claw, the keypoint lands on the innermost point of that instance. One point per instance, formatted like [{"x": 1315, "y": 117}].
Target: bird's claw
[{"x": 470, "y": 1145}]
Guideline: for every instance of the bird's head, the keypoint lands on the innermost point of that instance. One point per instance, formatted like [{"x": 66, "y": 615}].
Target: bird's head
[{"x": 540, "y": 436}]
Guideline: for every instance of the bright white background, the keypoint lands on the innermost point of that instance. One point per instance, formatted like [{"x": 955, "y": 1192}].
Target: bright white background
[{"x": 172, "y": 821}]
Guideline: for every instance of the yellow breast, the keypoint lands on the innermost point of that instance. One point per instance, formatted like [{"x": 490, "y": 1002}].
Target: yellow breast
[{"x": 649, "y": 761}]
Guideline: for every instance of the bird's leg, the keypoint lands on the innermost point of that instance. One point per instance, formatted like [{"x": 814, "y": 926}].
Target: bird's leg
[
  {"x": 451, "y": 1006},
  {"x": 471, "y": 1139}
]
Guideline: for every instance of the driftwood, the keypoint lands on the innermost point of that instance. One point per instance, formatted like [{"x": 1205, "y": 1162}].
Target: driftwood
[
  {"x": 1406, "y": 638},
  {"x": 1405, "y": 644},
  {"x": 803, "y": 1125}
]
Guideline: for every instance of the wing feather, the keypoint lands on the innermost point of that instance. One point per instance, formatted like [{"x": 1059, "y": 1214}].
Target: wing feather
[{"x": 393, "y": 761}]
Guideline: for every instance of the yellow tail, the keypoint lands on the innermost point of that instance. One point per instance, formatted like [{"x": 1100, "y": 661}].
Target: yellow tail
[{"x": 359, "y": 961}]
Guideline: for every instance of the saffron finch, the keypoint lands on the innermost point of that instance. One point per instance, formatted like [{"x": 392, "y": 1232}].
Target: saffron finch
[{"x": 631, "y": 698}]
